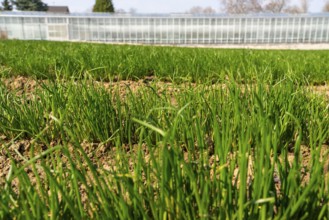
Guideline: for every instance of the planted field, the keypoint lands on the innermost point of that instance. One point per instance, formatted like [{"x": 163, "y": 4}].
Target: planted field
[
  {"x": 105, "y": 62},
  {"x": 127, "y": 132}
]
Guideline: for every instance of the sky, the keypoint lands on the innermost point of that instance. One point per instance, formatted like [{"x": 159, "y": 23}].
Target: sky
[{"x": 157, "y": 6}]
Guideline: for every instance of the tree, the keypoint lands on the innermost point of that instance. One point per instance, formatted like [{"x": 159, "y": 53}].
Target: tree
[
  {"x": 200, "y": 10},
  {"x": 209, "y": 10},
  {"x": 304, "y": 6},
  {"x": 326, "y": 7},
  {"x": 241, "y": 6},
  {"x": 276, "y": 6},
  {"x": 6, "y": 6},
  {"x": 255, "y": 6},
  {"x": 30, "y": 5},
  {"x": 295, "y": 9},
  {"x": 103, "y": 6}
]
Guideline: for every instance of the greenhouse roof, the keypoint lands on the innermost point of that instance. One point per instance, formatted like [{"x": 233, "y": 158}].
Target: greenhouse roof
[{"x": 45, "y": 14}]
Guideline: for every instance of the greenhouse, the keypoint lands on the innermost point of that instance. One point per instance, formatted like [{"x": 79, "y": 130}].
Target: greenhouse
[{"x": 167, "y": 28}]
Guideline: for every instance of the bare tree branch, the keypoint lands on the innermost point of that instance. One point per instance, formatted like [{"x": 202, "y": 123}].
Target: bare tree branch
[
  {"x": 276, "y": 6},
  {"x": 255, "y": 6},
  {"x": 304, "y": 5},
  {"x": 326, "y": 7},
  {"x": 293, "y": 10},
  {"x": 200, "y": 10},
  {"x": 209, "y": 10}
]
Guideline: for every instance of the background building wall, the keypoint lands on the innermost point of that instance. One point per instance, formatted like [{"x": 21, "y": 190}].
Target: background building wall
[{"x": 168, "y": 29}]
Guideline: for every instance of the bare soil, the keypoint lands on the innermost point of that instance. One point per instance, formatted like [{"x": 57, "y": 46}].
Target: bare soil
[
  {"x": 26, "y": 85},
  {"x": 105, "y": 159}
]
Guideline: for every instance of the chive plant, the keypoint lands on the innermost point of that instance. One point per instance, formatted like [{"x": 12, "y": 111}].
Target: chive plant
[
  {"x": 107, "y": 62},
  {"x": 215, "y": 152}
]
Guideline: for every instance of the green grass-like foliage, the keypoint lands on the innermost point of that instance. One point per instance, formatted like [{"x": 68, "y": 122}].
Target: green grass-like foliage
[
  {"x": 254, "y": 125},
  {"x": 51, "y": 59},
  {"x": 215, "y": 149}
]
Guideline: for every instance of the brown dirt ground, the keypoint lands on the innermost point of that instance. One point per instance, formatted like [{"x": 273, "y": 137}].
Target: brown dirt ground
[
  {"x": 105, "y": 158},
  {"x": 26, "y": 85}
]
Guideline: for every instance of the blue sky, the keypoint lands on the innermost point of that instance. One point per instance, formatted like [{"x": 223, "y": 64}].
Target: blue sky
[{"x": 157, "y": 6}]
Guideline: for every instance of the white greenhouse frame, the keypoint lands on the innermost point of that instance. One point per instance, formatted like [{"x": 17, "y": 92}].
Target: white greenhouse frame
[{"x": 185, "y": 29}]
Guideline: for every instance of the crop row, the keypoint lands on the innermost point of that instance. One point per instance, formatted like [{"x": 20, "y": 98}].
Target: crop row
[
  {"x": 108, "y": 62},
  {"x": 201, "y": 151}
]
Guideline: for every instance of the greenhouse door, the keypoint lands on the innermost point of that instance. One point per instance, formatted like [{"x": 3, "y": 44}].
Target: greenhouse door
[{"x": 58, "y": 29}]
